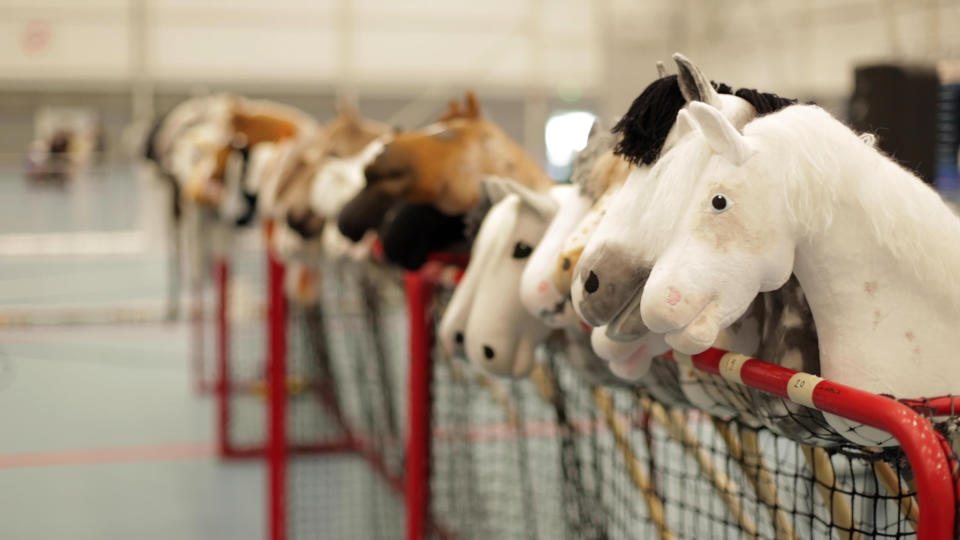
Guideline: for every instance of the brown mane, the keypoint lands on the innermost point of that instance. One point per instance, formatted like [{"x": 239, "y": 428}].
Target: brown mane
[{"x": 253, "y": 123}]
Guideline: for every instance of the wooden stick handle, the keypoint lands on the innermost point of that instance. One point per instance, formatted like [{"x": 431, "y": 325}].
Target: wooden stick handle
[
  {"x": 657, "y": 514},
  {"x": 676, "y": 425},
  {"x": 825, "y": 479},
  {"x": 891, "y": 481},
  {"x": 754, "y": 468}
]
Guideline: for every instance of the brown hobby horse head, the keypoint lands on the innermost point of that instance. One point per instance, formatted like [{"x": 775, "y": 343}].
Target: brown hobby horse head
[
  {"x": 338, "y": 142},
  {"x": 441, "y": 166},
  {"x": 250, "y": 124}
]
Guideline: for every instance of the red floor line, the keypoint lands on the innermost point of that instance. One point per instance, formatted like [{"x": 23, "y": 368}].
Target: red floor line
[{"x": 105, "y": 456}]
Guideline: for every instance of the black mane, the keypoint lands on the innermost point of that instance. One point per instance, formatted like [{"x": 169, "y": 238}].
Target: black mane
[
  {"x": 644, "y": 128},
  {"x": 764, "y": 102},
  {"x": 149, "y": 150}
]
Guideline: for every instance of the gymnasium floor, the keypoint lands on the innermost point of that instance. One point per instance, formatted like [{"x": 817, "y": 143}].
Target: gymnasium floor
[{"x": 101, "y": 433}]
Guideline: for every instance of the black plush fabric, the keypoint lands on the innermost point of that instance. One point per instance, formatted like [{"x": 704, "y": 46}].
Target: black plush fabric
[
  {"x": 411, "y": 232},
  {"x": 644, "y": 128},
  {"x": 764, "y": 102},
  {"x": 365, "y": 212},
  {"x": 149, "y": 150},
  {"x": 250, "y": 210}
]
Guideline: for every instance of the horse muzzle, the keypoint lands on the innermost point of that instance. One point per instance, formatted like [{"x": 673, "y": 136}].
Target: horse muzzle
[
  {"x": 307, "y": 224},
  {"x": 606, "y": 282}
]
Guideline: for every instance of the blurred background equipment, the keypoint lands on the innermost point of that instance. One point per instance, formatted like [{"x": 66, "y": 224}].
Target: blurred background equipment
[
  {"x": 66, "y": 141},
  {"x": 898, "y": 103}
]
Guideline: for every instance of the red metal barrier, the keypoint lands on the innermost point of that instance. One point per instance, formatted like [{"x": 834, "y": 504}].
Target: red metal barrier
[
  {"x": 418, "y": 445},
  {"x": 936, "y": 484},
  {"x": 277, "y": 395},
  {"x": 935, "y": 471}
]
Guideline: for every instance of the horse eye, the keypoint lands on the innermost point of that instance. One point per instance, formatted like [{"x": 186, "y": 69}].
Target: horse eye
[
  {"x": 522, "y": 250},
  {"x": 719, "y": 203}
]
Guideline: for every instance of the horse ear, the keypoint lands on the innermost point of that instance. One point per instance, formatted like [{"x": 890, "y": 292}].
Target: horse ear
[
  {"x": 720, "y": 133},
  {"x": 347, "y": 108},
  {"x": 597, "y": 128},
  {"x": 494, "y": 189},
  {"x": 694, "y": 85},
  {"x": 471, "y": 107},
  {"x": 453, "y": 110},
  {"x": 661, "y": 70},
  {"x": 542, "y": 203},
  {"x": 683, "y": 124}
]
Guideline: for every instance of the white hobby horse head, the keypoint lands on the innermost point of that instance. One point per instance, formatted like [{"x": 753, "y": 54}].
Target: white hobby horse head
[
  {"x": 796, "y": 191},
  {"x": 485, "y": 320}
]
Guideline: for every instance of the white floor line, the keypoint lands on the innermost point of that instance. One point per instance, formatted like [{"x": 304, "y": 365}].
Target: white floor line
[{"x": 73, "y": 243}]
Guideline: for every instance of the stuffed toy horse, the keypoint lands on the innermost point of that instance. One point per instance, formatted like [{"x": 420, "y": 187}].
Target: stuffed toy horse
[
  {"x": 168, "y": 128},
  {"x": 540, "y": 293},
  {"x": 796, "y": 191},
  {"x": 778, "y": 328},
  {"x": 485, "y": 321},
  {"x": 316, "y": 183},
  {"x": 594, "y": 167},
  {"x": 321, "y": 178},
  {"x": 440, "y": 165},
  {"x": 156, "y": 152},
  {"x": 265, "y": 135},
  {"x": 250, "y": 124}
]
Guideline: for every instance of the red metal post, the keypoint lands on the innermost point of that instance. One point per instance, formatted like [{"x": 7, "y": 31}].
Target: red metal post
[
  {"x": 221, "y": 278},
  {"x": 418, "y": 445},
  {"x": 277, "y": 401},
  {"x": 923, "y": 446}
]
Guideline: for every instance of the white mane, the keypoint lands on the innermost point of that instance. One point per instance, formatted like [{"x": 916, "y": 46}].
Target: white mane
[
  {"x": 822, "y": 166},
  {"x": 829, "y": 165}
]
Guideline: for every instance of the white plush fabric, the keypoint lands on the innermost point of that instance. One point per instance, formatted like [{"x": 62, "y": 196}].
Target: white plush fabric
[
  {"x": 212, "y": 110},
  {"x": 192, "y": 156},
  {"x": 537, "y": 290},
  {"x": 611, "y": 249},
  {"x": 339, "y": 179},
  {"x": 874, "y": 249},
  {"x": 484, "y": 320},
  {"x": 334, "y": 184}
]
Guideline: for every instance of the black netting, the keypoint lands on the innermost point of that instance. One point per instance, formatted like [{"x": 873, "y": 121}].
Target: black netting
[
  {"x": 203, "y": 333},
  {"x": 553, "y": 457},
  {"x": 244, "y": 379},
  {"x": 347, "y": 361}
]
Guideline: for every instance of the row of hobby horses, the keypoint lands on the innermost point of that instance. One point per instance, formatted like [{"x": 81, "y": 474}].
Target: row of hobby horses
[{"x": 704, "y": 217}]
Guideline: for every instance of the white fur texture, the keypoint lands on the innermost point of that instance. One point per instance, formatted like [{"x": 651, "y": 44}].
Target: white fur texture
[
  {"x": 876, "y": 250},
  {"x": 485, "y": 321},
  {"x": 537, "y": 290}
]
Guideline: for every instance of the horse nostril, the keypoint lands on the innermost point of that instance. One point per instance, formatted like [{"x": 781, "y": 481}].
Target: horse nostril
[
  {"x": 592, "y": 283},
  {"x": 488, "y": 352},
  {"x": 566, "y": 263},
  {"x": 458, "y": 337}
]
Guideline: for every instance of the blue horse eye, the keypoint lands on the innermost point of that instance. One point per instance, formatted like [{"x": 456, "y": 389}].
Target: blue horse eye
[{"x": 522, "y": 250}]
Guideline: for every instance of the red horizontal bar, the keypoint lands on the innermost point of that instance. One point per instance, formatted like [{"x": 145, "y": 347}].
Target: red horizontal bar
[{"x": 925, "y": 448}]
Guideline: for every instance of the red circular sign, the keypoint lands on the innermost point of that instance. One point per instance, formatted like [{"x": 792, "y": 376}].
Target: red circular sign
[{"x": 36, "y": 36}]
